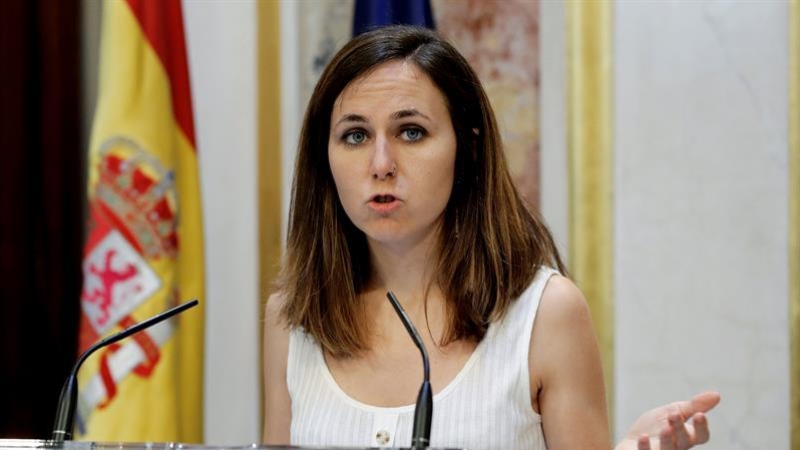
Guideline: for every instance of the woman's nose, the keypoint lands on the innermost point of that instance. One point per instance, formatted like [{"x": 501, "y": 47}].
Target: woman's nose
[{"x": 383, "y": 163}]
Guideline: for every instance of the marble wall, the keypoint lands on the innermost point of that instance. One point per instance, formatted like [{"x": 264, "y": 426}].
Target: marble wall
[{"x": 701, "y": 97}]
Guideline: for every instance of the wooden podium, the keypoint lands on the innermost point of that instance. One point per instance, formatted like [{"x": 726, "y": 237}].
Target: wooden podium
[{"x": 37, "y": 444}]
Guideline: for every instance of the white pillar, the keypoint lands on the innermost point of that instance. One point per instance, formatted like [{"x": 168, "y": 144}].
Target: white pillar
[{"x": 221, "y": 40}]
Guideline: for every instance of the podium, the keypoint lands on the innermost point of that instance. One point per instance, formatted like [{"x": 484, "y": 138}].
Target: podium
[{"x": 37, "y": 444}]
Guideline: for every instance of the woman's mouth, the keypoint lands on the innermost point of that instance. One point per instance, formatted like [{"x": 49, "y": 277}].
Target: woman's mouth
[
  {"x": 384, "y": 203},
  {"x": 383, "y": 199}
]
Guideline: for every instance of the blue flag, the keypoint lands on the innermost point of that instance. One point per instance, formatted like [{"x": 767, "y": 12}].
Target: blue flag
[{"x": 371, "y": 14}]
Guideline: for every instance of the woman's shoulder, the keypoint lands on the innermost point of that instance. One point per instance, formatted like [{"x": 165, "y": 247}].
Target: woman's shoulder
[
  {"x": 563, "y": 323},
  {"x": 562, "y": 301},
  {"x": 545, "y": 284},
  {"x": 274, "y": 310},
  {"x": 276, "y": 330},
  {"x": 561, "y": 289}
]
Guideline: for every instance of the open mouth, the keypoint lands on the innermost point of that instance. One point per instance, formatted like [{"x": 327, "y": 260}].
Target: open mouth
[{"x": 383, "y": 198}]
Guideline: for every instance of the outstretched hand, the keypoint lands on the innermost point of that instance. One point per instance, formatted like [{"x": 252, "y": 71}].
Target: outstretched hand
[{"x": 667, "y": 427}]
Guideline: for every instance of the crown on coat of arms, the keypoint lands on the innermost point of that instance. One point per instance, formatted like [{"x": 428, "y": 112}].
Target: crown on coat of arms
[{"x": 140, "y": 192}]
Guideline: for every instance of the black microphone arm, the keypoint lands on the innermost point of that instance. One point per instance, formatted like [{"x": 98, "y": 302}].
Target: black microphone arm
[
  {"x": 65, "y": 415},
  {"x": 423, "y": 412}
]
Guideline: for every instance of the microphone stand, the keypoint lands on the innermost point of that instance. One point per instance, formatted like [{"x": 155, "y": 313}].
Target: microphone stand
[
  {"x": 423, "y": 412},
  {"x": 65, "y": 414}
]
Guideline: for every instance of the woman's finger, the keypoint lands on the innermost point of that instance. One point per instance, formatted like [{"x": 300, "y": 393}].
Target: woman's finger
[
  {"x": 701, "y": 433},
  {"x": 667, "y": 438},
  {"x": 681, "y": 439}
]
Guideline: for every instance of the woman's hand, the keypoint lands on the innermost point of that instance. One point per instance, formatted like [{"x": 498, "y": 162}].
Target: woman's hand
[{"x": 668, "y": 425}]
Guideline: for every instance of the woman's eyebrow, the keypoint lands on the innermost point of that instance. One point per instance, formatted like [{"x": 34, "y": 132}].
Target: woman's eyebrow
[
  {"x": 403, "y": 113},
  {"x": 351, "y": 118}
]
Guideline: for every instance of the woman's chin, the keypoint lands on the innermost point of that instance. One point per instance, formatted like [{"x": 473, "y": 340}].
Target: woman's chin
[{"x": 398, "y": 239}]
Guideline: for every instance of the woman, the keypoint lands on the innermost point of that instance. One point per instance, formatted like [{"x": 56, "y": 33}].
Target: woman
[{"x": 401, "y": 184}]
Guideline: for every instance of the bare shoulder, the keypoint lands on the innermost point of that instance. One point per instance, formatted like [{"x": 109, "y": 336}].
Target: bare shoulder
[
  {"x": 276, "y": 332},
  {"x": 272, "y": 310},
  {"x": 562, "y": 302}
]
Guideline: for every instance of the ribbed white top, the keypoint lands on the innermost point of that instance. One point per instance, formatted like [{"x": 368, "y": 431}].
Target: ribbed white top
[{"x": 487, "y": 405}]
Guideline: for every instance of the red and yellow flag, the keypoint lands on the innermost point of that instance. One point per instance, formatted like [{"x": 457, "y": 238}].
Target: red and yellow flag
[{"x": 144, "y": 249}]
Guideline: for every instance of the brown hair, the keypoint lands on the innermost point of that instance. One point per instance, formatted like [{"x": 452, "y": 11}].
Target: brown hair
[{"x": 491, "y": 244}]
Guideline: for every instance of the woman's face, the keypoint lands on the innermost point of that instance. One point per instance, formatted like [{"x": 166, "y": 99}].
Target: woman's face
[{"x": 392, "y": 152}]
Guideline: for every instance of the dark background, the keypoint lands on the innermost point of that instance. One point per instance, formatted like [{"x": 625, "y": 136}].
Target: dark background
[{"x": 41, "y": 215}]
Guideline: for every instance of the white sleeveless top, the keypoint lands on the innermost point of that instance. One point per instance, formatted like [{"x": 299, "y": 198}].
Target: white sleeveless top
[{"x": 487, "y": 406}]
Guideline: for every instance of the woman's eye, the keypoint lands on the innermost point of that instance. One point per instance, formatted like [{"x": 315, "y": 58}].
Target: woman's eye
[
  {"x": 413, "y": 134},
  {"x": 355, "y": 137}
]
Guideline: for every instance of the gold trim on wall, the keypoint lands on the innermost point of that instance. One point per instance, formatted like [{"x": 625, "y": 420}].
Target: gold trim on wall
[
  {"x": 589, "y": 130},
  {"x": 269, "y": 152},
  {"x": 794, "y": 218}
]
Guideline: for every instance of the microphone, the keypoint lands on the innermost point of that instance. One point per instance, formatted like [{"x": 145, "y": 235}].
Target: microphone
[
  {"x": 65, "y": 415},
  {"x": 423, "y": 412}
]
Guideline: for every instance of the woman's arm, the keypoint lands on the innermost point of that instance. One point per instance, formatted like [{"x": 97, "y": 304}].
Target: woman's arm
[
  {"x": 277, "y": 404},
  {"x": 566, "y": 372}
]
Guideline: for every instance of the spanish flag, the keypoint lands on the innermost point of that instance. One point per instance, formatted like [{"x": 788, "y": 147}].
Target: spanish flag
[{"x": 144, "y": 250}]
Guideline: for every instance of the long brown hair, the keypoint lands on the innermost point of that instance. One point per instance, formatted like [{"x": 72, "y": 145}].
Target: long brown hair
[{"x": 491, "y": 244}]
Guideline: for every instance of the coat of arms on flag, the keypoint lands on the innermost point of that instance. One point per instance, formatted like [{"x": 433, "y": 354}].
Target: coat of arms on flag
[{"x": 133, "y": 221}]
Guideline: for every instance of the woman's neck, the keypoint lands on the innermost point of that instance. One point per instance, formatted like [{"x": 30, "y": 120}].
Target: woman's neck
[
  {"x": 403, "y": 269},
  {"x": 410, "y": 272}
]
